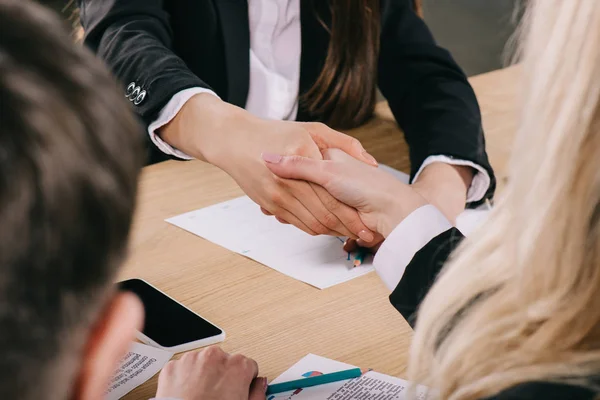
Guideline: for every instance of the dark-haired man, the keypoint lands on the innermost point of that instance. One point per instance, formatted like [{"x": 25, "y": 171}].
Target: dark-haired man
[{"x": 70, "y": 155}]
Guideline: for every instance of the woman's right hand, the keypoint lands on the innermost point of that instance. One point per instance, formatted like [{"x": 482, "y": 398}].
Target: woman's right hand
[{"x": 233, "y": 140}]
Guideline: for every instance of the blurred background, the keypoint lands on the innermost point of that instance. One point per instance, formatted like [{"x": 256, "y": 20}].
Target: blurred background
[{"x": 475, "y": 31}]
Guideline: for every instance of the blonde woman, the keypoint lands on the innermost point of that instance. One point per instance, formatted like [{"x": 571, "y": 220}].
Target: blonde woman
[{"x": 516, "y": 313}]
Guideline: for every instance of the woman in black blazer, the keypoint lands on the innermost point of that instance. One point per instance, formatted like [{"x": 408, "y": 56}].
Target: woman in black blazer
[
  {"x": 189, "y": 67},
  {"x": 515, "y": 314}
]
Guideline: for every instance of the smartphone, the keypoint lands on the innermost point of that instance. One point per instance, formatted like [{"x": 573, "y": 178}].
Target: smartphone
[{"x": 168, "y": 324}]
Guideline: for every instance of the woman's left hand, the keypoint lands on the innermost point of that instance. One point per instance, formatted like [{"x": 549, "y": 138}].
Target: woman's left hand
[{"x": 381, "y": 200}]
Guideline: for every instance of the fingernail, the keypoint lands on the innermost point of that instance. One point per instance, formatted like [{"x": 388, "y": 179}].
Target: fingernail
[
  {"x": 366, "y": 236},
  {"x": 265, "y": 384},
  {"x": 369, "y": 157},
  {"x": 271, "y": 158}
]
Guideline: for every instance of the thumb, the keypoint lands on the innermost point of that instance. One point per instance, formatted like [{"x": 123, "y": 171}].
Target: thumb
[
  {"x": 297, "y": 167},
  {"x": 258, "y": 389},
  {"x": 327, "y": 138}
]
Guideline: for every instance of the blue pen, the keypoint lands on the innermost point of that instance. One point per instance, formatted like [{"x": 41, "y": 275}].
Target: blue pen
[{"x": 314, "y": 381}]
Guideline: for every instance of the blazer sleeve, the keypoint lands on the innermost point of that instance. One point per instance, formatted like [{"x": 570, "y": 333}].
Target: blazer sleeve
[
  {"x": 422, "y": 271},
  {"x": 135, "y": 39},
  {"x": 546, "y": 391},
  {"x": 428, "y": 93}
]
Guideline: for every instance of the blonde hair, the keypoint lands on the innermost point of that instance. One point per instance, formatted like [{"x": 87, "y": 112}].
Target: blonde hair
[{"x": 522, "y": 302}]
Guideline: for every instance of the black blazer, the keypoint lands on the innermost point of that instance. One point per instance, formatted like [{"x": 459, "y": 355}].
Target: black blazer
[
  {"x": 167, "y": 46},
  {"x": 412, "y": 288}
]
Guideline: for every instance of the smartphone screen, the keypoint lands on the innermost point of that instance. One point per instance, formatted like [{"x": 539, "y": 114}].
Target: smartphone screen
[{"x": 167, "y": 322}]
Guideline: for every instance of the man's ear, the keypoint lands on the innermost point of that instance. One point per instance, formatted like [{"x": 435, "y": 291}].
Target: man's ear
[{"x": 107, "y": 344}]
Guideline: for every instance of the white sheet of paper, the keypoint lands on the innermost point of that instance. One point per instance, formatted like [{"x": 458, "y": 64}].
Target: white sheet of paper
[
  {"x": 239, "y": 225},
  {"x": 140, "y": 364},
  {"x": 371, "y": 385}
]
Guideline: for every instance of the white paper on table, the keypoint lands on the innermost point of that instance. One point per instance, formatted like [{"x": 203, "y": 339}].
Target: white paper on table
[
  {"x": 240, "y": 226},
  {"x": 372, "y": 385},
  {"x": 140, "y": 364}
]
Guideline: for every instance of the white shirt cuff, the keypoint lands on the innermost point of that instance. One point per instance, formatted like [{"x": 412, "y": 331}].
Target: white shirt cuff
[
  {"x": 410, "y": 236},
  {"x": 481, "y": 179},
  {"x": 167, "y": 114}
]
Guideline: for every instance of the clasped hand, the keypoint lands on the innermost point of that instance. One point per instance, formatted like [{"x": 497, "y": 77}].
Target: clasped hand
[
  {"x": 304, "y": 204},
  {"x": 381, "y": 200},
  {"x": 232, "y": 139},
  {"x": 295, "y": 192}
]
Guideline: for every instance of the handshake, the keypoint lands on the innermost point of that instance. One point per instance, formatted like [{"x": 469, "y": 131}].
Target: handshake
[
  {"x": 311, "y": 176},
  {"x": 325, "y": 183},
  {"x": 357, "y": 199}
]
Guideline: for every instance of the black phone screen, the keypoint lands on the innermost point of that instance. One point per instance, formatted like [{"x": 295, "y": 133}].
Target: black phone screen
[{"x": 167, "y": 322}]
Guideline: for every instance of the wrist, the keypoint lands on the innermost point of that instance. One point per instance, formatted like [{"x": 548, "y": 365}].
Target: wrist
[
  {"x": 398, "y": 204},
  {"x": 445, "y": 186},
  {"x": 202, "y": 128}
]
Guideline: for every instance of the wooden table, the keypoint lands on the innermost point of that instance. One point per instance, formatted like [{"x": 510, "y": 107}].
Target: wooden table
[{"x": 268, "y": 316}]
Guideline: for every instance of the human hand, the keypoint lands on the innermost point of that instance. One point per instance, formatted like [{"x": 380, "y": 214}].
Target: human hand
[
  {"x": 211, "y": 374},
  {"x": 233, "y": 140},
  {"x": 381, "y": 200},
  {"x": 352, "y": 245},
  {"x": 305, "y": 205},
  {"x": 441, "y": 184}
]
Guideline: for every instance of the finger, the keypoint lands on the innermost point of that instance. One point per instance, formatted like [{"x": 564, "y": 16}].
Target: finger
[
  {"x": 282, "y": 221},
  {"x": 297, "y": 167},
  {"x": 300, "y": 214},
  {"x": 258, "y": 389},
  {"x": 292, "y": 220},
  {"x": 363, "y": 244},
  {"x": 264, "y": 211},
  {"x": 350, "y": 245},
  {"x": 373, "y": 245},
  {"x": 313, "y": 203},
  {"x": 246, "y": 365},
  {"x": 289, "y": 209},
  {"x": 337, "y": 155},
  {"x": 212, "y": 354},
  {"x": 252, "y": 367},
  {"x": 373, "y": 248},
  {"x": 327, "y": 138},
  {"x": 240, "y": 372},
  {"x": 352, "y": 225}
]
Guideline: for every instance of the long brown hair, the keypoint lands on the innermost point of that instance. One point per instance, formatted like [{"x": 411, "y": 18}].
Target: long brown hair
[{"x": 346, "y": 90}]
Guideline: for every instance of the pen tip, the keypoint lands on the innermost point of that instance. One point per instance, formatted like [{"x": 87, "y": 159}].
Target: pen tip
[{"x": 365, "y": 370}]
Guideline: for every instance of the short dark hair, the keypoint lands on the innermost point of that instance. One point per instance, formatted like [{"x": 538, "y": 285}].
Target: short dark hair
[{"x": 70, "y": 155}]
